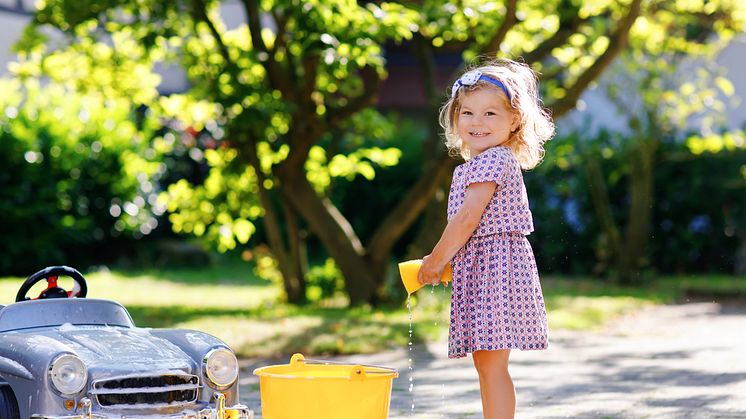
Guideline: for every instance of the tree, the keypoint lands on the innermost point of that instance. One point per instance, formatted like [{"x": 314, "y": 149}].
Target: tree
[
  {"x": 656, "y": 91},
  {"x": 285, "y": 83}
]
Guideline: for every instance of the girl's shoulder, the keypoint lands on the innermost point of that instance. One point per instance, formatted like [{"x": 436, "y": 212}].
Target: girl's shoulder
[
  {"x": 492, "y": 155},
  {"x": 498, "y": 161}
]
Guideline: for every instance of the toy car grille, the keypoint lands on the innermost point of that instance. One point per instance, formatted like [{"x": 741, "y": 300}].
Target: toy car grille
[{"x": 136, "y": 391}]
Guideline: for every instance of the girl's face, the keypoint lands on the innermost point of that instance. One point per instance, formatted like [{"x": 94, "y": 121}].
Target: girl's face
[{"x": 484, "y": 121}]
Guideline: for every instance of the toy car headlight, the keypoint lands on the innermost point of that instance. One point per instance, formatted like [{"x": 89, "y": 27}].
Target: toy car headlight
[
  {"x": 68, "y": 374},
  {"x": 221, "y": 367}
]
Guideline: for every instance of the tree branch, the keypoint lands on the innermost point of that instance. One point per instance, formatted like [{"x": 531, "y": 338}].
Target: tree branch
[
  {"x": 567, "y": 27},
  {"x": 271, "y": 220},
  {"x": 602, "y": 204},
  {"x": 200, "y": 12},
  {"x": 310, "y": 65},
  {"x": 493, "y": 46},
  {"x": 251, "y": 7},
  {"x": 398, "y": 220},
  {"x": 281, "y": 21},
  {"x": 423, "y": 50},
  {"x": 278, "y": 77},
  {"x": 335, "y": 232},
  {"x": 307, "y": 125},
  {"x": 371, "y": 81},
  {"x": 617, "y": 42}
]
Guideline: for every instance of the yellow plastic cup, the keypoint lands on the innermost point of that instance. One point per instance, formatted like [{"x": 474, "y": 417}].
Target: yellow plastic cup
[{"x": 409, "y": 270}]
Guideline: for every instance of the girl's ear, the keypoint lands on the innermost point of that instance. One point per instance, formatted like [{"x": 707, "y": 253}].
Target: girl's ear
[{"x": 515, "y": 122}]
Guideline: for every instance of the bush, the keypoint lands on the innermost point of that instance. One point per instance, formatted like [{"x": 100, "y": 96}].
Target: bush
[
  {"x": 699, "y": 203},
  {"x": 75, "y": 187}
]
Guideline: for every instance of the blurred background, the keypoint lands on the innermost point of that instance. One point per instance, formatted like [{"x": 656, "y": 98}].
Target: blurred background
[{"x": 294, "y": 146}]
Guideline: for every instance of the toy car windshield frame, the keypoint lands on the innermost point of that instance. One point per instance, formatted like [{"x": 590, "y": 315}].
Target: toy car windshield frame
[{"x": 60, "y": 311}]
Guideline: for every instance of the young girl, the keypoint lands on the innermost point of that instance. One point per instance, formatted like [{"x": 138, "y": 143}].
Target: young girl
[{"x": 495, "y": 120}]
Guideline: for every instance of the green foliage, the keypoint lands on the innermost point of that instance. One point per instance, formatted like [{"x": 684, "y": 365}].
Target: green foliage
[
  {"x": 76, "y": 174},
  {"x": 365, "y": 142},
  {"x": 391, "y": 181},
  {"x": 297, "y": 92},
  {"x": 222, "y": 208},
  {"x": 689, "y": 233},
  {"x": 700, "y": 212},
  {"x": 324, "y": 281},
  {"x": 565, "y": 223},
  {"x": 119, "y": 68}
]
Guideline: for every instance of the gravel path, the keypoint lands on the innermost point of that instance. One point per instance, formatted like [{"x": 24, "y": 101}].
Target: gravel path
[{"x": 678, "y": 361}]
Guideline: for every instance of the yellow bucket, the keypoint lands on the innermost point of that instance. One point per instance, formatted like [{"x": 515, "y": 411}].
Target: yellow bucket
[
  {"x": 310, "y": 389},
  {"x": 408, "y": 271}
]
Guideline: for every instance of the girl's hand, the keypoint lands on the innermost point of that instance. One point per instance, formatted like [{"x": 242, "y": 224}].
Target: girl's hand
[{"x": 430, "y": 272}]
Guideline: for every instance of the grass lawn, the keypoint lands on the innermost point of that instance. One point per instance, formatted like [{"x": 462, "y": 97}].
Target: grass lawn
[{"x": 232, "y": 304}]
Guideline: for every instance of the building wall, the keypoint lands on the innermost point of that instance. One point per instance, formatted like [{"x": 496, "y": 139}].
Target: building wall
[
  {"x": 597, "y": 111},
  {"x": 11, "y": 28}
]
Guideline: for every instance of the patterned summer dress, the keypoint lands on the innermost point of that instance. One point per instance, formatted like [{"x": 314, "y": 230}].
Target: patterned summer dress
[{"x": 497, "y": 301}]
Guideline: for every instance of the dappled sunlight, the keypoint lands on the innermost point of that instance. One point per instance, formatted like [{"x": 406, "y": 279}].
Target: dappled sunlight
[
  {"x": 582, "y": 313},
  {"x": 149, "y": 290},
  {"x": 250, "y": 317}
]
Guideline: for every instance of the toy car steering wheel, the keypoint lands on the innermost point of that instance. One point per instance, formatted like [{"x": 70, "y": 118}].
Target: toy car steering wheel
[{"x": 80, "y": 288}]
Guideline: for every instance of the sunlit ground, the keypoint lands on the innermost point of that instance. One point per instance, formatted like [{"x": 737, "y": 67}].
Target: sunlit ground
[{"x": 247, "y": 312}]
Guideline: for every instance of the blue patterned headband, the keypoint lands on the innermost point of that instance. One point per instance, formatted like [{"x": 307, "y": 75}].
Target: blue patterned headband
[{"x": 472, "y": 77}]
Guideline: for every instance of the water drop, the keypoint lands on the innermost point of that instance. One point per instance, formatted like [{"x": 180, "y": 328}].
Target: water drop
[{"x": 411, "y": 369}]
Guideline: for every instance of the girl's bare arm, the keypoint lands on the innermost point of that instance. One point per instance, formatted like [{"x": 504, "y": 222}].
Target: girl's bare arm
[{"x": 458, "y": 231}]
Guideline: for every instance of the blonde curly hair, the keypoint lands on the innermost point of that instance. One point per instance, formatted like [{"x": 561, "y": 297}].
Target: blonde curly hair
[{"x": 535, "y": 127}]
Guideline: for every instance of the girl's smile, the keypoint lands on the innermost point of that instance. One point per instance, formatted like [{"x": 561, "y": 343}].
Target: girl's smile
[{"x": 484, "y": 121}]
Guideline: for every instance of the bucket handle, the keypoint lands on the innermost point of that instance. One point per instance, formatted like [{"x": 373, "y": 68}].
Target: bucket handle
[
  {"x": 358, "y": 370},
  {"x": 297, "y": 359}
]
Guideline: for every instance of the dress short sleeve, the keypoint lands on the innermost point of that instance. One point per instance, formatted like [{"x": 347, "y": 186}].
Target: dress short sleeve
[{"x": 488, "y": 166}]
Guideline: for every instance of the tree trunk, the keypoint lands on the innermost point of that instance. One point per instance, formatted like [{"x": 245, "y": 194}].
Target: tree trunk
[
  {"x": 335, "y": 232},
  {"x": 433, "y": 222},
  {"x": 289, "y": 260},
  {"x": 626, "y": 251},
  {"x": 294, "y": 281},
  {"x": 637, "y": 231},
  {"x": 612, "y": 238}
]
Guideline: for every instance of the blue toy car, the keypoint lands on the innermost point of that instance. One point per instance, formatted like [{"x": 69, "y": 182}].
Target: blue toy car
[{"x": 64, "y": 356}]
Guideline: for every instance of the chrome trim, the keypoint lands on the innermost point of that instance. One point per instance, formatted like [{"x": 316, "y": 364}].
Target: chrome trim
[
  {"x": 208, "y": 380},
  {"x": 220, "y": 404},
  {"x": 37, "y": 416},
  {"x": 237, "y": 411},
  {"x": 388, "y": 370},
  {"x": 87, "y": 406},
  {"x": 51, "y": 382},
  {"x": 189, "y": 382}
]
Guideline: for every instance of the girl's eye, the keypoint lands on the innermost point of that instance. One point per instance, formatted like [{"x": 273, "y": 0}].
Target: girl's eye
[
  {"x": 465, "y": 112},
  {"x": 489, "y": 113}
]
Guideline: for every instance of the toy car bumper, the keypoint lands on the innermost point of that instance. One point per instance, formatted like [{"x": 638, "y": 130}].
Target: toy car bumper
[{"x": 234, "y": 412}]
